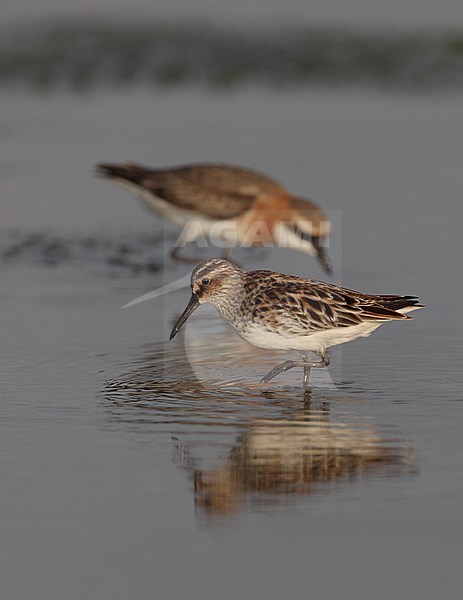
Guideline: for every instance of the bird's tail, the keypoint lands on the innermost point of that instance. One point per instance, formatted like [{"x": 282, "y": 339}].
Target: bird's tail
[
  {"x": 124, "y": 172},
  {"x": 401, "y": 304}
]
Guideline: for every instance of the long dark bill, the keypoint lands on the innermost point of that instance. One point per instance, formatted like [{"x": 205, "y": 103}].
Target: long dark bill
[
  {"x": 192, "y": 306},
  {"x": 322, "y": 255}
]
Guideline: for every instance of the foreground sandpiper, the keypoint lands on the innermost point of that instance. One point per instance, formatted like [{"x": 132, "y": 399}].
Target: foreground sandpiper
[
  {"x": 228, "y": 205},
  {"x": 284, "y": 312}
]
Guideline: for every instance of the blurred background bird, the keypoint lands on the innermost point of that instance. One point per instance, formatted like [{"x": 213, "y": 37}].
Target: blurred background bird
[{"x": 228, "y": 205}]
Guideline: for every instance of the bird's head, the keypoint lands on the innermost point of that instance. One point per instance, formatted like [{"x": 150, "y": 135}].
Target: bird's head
[
  {"x": 307, "y": 228},
  {"x": 215, "y": 281}
]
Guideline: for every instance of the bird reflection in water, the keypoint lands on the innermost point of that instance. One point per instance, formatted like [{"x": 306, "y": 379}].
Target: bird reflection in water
[
  {"x": 264, "y": 448},
  {"x": 275, "y": 461}
]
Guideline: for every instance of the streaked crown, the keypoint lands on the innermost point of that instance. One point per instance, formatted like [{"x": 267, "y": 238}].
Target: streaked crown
[{"x": 215, "y": 280}]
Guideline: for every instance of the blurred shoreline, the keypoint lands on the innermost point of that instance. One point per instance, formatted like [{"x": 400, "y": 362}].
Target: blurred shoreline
[{"x": 81, "y": 55}]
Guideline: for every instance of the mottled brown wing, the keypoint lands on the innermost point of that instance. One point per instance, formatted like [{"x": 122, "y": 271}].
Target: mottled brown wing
[
  {"x": 300, "y": 306},
  {"x": 217, "y": 191}
]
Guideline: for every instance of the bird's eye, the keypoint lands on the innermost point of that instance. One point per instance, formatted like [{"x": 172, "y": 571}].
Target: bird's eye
[{"x": 205, "y": 281}]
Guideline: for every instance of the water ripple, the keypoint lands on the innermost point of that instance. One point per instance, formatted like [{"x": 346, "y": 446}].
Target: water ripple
[{"x": 244, "y": 446}]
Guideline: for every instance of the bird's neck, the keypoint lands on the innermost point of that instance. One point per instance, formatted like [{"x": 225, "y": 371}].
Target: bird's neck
[{"x": 229, "y": 305}]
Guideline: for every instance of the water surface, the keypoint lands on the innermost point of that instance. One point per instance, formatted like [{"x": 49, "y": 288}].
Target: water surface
[{"x": 137, "y": 467}]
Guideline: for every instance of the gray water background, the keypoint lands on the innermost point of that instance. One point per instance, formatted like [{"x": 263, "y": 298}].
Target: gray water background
[{"x": 110, "y": 445}]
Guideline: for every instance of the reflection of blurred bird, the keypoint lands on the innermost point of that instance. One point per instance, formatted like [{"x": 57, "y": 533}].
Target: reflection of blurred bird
[
  {"x": 227, "y": 204},
  {"x": 292, "y": 458},
  {"x": 284, "y": 312}
]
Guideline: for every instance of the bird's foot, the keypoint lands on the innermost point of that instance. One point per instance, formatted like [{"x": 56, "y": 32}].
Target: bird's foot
[{"x": 291, "y": 364}]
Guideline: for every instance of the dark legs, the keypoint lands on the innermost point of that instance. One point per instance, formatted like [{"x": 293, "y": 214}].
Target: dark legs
[
  {"x": 306, "y": 375},
  {"x": 305, "y": 363}
]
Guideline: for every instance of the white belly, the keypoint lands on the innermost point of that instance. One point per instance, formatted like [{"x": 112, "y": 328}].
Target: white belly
[
  {"x": 161, "y": 207},
  {"x": 198, "y": 226},
  {"x": 315, "y": 342}
]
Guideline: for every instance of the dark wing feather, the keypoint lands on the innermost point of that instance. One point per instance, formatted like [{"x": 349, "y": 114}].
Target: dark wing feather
[
  {"x": 301, "y": 306},
  {"x": 217, "y": 191}
]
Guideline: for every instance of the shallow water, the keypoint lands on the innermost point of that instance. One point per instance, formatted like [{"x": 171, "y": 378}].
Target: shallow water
[{"x": 137, "y": 467}]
